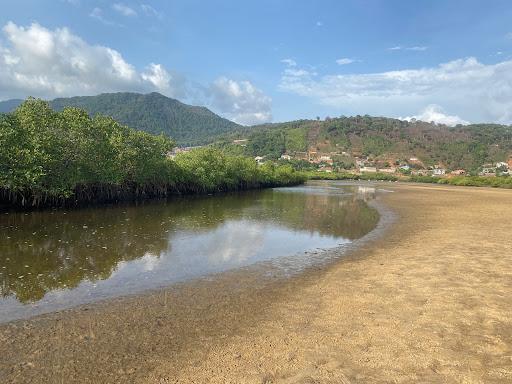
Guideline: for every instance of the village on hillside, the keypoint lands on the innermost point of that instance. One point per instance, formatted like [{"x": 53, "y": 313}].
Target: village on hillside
[
  {"x": 358, "y": 164},
  {"x": 330, "y": 162}
]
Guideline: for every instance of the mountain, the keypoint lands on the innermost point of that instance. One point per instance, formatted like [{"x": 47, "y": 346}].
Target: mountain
[
  {"x": 153, "y": 112},
  {"x": 382, "y": 140},
  {"x": 9, "y": 105}
]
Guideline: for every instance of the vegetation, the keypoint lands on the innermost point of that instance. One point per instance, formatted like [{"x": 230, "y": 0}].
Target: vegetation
[
  {"x": 468, "y": 181},
  {"x": 50, "y": 158},
  {"x": 383, "y": 139},
  {"x": 351, "y": 176},
  {"x": 153, "y": 113}
]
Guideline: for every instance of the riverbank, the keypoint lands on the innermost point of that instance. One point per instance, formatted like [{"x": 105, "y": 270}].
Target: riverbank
[
  {"x": 461, "y": 181},
  {"x": 428, "y": 301}
]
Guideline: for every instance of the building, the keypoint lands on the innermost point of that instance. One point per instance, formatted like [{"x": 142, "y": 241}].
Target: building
[
  {"x": 259, "y": 159},
  {"x": 367, "y": 169},
  {"x": 438, "y": 172},
  {"x": 502, "y": 164},
  {"x": 241, "y": 142},
  {"x": 387, "y": 170},
  {"x": 510, "y": 162},
  {"x": 488, "y": 171},
  {"x": 458, "y": 172},
  {"x": 286, "y": 157}
]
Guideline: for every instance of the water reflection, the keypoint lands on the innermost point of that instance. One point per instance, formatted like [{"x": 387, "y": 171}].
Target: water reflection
[{"x": 58, "y": 259}]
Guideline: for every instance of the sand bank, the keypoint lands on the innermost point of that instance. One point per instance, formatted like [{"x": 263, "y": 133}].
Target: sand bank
[{"x": 429, "y": 301}]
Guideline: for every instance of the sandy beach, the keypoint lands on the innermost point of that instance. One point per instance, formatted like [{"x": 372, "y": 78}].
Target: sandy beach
[{"x": 429, "y": 301}]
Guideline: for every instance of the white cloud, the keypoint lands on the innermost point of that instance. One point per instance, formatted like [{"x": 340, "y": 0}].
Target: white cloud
[
  {"x": 97, "y": 13},
  {"x": 150, "y": 11},
  {"x": 417, "y": 48},
  {"x": 465, "y": 87},
  {"x": 47, "y": 63},
  {"x": 289, "y": 62},
  {"x": 434, "y": 113},
  {"x": 319, "y": 24},
  {"x": 344, "y": 61},
  {"x": 414, "y": 48},
  {"x": 158, "y": 76},
  {"x": 124, "y": 10},
  {"x": 241, "y": 101}
]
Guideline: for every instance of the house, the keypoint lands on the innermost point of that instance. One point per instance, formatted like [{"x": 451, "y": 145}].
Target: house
[
  {"x": 488, "y": 171},
  {"x": 326, "y": 169},
  {"x": 438, "y": 172},
  {"x": 286, "y": 157},
  {"x": 420, "y": 172},
  {"x": 458, "y": 172},
  {"x": 325, "y": 158},
  {"x": 367, "y": 169},
  {"x": 502, "y": 164},
  {"x": 259, "y": 159},
  {"x": 405, "y": 167},
  {"x": 241, "y": 142},
  {"x": 509, "y": 162},
  {"x": 387, "y": 170}
]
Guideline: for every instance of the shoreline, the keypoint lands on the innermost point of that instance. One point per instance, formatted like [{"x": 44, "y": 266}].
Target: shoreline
[{"x": 421, "y": 303}]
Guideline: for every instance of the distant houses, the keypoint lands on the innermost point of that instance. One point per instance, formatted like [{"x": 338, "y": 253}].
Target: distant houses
[
  {"x": 357, "y": 162},
  {"x": 259, "y": 159}
]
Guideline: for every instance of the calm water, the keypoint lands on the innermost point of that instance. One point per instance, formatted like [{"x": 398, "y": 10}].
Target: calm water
[{"x": 53, "y": 260}]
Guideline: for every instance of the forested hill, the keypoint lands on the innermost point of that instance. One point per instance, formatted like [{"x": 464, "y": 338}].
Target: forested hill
[
  {"x": 153, "y": 113},
  {"x": 382, "y": 139}
]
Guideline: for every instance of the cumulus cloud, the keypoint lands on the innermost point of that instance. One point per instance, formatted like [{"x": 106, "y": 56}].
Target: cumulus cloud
[
  {"x": 240, "y": 101},
  {"x": 465, "y": 87},
  {"x": 46, "y": 63},
  {"x": 124, "y": 10},
  {"x": 344, "y": 61},
  {"x": 434, "y": 113}
]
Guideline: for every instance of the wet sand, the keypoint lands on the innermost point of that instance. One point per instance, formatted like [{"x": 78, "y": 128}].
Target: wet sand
[{"x": 429, "y": 301}]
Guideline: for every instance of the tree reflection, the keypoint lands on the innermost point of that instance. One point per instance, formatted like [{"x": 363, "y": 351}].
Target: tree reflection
[{"x": 45, "y": 251}]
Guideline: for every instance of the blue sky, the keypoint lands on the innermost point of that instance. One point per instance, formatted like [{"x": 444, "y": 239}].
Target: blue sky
[{"x": 258, "y": 61}]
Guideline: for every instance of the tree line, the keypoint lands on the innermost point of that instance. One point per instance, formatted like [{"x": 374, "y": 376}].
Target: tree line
[{"x": 53, "y": 158}]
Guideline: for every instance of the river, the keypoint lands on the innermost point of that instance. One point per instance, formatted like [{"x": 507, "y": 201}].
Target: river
[{"x": 56, "y": 259}]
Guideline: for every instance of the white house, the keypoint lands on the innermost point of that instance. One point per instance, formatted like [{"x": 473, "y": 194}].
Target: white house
[{"x": 438, "y": 172}]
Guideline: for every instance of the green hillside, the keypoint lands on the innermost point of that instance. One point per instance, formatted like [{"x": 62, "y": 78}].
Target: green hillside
[
  {"x": 153, "y": 113},
  {"x": 381, "y": 139}
]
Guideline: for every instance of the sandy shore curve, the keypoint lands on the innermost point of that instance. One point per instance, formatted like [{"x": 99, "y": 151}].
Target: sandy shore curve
[{"x": 429, "y": 301}]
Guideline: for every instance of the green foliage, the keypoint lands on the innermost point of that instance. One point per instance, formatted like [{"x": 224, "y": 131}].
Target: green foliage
[
  {"x": 50, "y": 158},
  {"x": 466, "y": 147},
  {"x": 269, "y": 143},
  {"x": 153, "y": 113}
]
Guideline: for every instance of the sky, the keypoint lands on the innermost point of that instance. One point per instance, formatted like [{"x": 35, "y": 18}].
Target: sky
[{"x": 269, "y": 60}]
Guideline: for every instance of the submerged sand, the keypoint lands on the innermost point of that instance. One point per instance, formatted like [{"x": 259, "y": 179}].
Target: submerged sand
[{"x": 429, "y": 301}]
